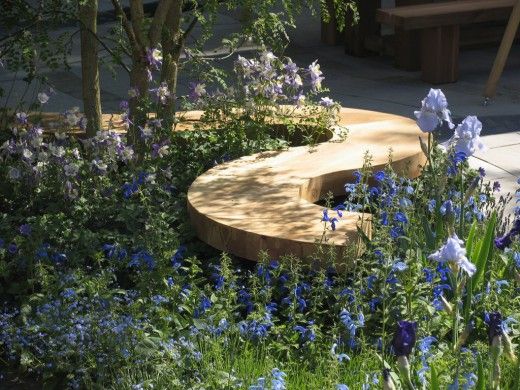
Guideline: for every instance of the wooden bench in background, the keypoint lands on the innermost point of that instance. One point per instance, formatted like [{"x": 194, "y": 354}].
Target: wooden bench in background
[{"x": 439, "y": 28}]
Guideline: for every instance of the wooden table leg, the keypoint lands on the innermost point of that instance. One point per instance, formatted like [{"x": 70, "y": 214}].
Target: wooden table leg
[
  {"x": 440, "y": 54},
  {"x": 329, "y": 30},
  {"x": 355, "y": 34}
]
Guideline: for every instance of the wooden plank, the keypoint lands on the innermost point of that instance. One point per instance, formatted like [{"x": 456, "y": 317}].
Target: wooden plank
[
  {"x": 445, "y": 13},
  {"x": 355, "y": 35},
  {"x": 265, "y": 201}
]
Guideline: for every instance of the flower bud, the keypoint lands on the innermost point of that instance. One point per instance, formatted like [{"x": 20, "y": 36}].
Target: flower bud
[
  {"x": 447, "y": 306},
  {"x": 508, "y": 348},
  {"x": 388, "y": 383},
  {"x": 465, "y": 334},
  {"x": 404, "y": 368}
]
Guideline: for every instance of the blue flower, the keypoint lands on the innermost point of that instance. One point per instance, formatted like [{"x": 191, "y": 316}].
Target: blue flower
[
  {"x": 400, "y": 217},
  {"x": 380, "y": 176},
  {"x": 431, "y": 205},
  {"x": 278, "y": 381},
  {"x": 357, "y": 176},
  {"x": 341, "y": 386},
  {"x": 425, "y": 344},
  {"x": 400, "y": 266},
  {"x": 428, "y": 275},
  {"x": 204, "y": 305},
  {"x": 306, "y": 333},
  {"x": 25, "y": 229},
  {"x": 446, "y": 208},
  {"x": 158, "y": 299},
  {"x": 396, "y": 232},
  {"x": 12, "y": 248},
  {"x": 178, "y": 256},
  {"x": 109, "y": 250}
]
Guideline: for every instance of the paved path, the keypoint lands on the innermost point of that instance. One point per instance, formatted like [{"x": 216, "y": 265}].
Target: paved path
[{"x": 369, "y": 83}]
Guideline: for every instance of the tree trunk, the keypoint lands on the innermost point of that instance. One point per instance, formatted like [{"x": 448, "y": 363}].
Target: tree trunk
[
  {"x": 172, "y": 45},
  {"x": 90, "y": 66},
  {"x": 139, "y": 81}
]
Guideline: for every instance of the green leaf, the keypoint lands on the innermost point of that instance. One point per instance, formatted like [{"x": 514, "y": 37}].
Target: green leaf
[
  {"x": 481, "y": 374},
  {"x": 471, "y": 238},
  {"x": 430, "y": 236},
  {"x": 434, "y": 379},
  {"x": 485, "y": 251}
]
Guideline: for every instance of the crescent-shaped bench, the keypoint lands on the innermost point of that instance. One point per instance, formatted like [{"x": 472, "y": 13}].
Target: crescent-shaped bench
[{"x": 265, "y": 201}]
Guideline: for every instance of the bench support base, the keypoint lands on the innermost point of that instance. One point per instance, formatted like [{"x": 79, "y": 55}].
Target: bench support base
[{"x": 440, "y": 54}]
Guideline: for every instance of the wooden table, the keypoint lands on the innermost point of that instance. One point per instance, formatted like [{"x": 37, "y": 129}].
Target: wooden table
[{"x": 266, "y": 201}]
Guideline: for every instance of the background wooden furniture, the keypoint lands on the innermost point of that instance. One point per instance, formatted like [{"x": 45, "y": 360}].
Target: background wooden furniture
[
  {"x": 439, "y": 27},
  {"x": 503, "y": 52}
]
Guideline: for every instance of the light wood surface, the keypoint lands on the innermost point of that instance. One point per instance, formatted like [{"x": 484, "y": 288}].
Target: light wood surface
[
  {"x": 445, "y": 13},
  {"x": 265, "y": 201}
]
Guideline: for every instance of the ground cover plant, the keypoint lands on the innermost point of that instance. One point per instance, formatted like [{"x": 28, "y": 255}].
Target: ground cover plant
[{"x": 104, "y": 286}]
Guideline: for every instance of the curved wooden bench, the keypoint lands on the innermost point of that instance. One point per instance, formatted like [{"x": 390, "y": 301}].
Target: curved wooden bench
[{"x": 265, "y": 201}]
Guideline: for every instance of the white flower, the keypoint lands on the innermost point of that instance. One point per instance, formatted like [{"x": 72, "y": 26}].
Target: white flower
[
  {"x": 60, "y": 135},
  {"x": 26, "y": 153},
  {"x": 157, "y": 55},
  {"x": 326, "y": 102},
  {"x": 454, "y": 252},
  {"x": 36, "y": 142},
  {"x": 433, "y": 111},
  {"x": 100, "y": 165},
  {"x": 127, "y": 153},
  {"x": 57, "y": 151},
  {"x": 14, "y": 173},
  {"x": 200, "y": 89},
  {"x": 71, "y": 169},
  {"x": 163, "y": 151},
  {"x": 72, "y": 116},
  {"x": 147, "y": 131},
  {"x": 162, "y": 92},
  {"x": 43, "y": 156},
  {"x": 43, "y": 97},
  {"x": 267, "y": 56},
  {"x": 133, "y": 92}
]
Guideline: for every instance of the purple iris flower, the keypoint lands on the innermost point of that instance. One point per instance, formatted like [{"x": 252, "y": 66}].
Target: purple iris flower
[
  {"x": 506, "y": 240},
  {"x": 494, "y": 322},
  {"x": 404, "y": 338}
]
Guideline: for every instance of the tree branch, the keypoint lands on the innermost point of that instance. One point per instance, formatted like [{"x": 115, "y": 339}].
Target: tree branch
[
  {"x": 192, "y": 24},
  {"x": 137, "y": 15},
  {"x": 126, "y": 25}
]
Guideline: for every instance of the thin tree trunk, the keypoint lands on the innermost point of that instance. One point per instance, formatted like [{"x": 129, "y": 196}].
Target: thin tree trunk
[
  {"x": 172, "y": 45},
  {"x": 90, "y": 66}
]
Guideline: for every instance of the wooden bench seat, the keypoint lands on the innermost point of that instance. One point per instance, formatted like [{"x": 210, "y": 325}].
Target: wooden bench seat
[{"x": 439, "y": 27}]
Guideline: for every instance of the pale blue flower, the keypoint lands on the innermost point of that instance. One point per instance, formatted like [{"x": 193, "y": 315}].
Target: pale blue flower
[
  {"x": 466, "y": 138},
  {"x": 454, "y": 252},
  {"x": 433, "y": 112}
]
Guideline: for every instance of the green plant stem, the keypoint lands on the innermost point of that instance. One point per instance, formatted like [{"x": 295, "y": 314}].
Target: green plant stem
[{"x": 455, "y": 320}]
